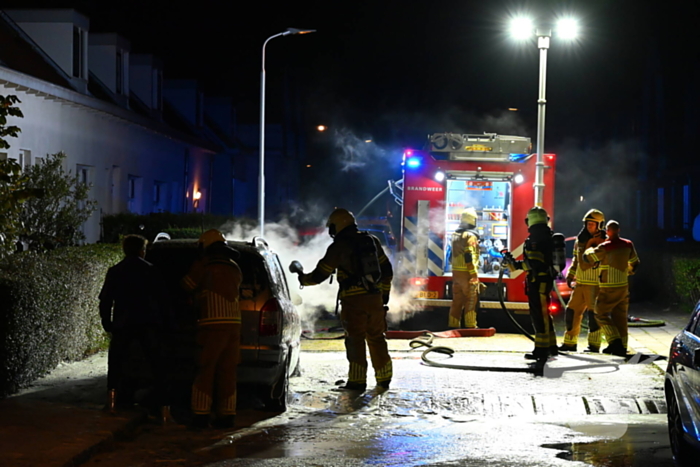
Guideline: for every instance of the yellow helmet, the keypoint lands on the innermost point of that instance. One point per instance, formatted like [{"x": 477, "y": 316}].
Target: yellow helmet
[
  {"x": 594, "y": 215},
  {"x": 536, "y": 215},
  {"x": 211, "y": 236},
  {"x": 338, "y": 220},
  {"x": 468, "y": 217}
]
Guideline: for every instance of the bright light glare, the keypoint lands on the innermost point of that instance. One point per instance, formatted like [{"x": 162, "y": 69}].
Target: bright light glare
[
  {"x": 439, "y": 176},
  {"x": 413, "y": 162},
  {"x": 518, "y": 178},
  {"x": 321, "y": 128},
  {"x": 567, "y": 28},
  {"x": 521, "y": 28}
]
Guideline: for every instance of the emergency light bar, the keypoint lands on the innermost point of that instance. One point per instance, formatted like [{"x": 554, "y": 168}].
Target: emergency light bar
[{"x": 486, "y": 147}]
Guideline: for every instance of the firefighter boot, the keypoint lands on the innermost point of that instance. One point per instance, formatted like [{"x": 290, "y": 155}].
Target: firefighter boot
[
  {"x": 165, "y": 417},
  {"x": 567, "y": 348},
  {"x": 616, "y": 348},
  {"x": 541, "y": 354}
]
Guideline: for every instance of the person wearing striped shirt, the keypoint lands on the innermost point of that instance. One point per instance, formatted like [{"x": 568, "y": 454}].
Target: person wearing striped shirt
[{"x": 617, "y": 259}]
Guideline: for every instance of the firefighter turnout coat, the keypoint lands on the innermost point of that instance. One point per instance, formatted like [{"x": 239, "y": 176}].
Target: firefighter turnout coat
[
  {"x": 617, "y": 259},
  {"x": 465, "y": 278},
  {"x": 215, "y": 279},
  {"x": 362, "y": 309},
  {"x": 584, "y": 294}
]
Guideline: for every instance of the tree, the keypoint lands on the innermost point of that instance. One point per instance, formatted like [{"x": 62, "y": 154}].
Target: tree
[
  {"x": 13, "y": 190},
  {"x": 55, "y": 218},
  {"x": 8, "y": 108}
]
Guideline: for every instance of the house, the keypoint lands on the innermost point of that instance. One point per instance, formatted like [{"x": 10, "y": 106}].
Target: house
[{"x": 144, "y": 144}]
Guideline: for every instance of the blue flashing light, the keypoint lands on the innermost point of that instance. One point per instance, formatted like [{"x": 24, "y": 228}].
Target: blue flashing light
[
  {"x": 413, "y": 162},
  {"x": 519, "y": 157}
]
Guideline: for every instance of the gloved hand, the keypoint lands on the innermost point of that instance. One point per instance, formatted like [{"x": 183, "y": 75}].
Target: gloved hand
[
  {"x": 570, "y": 281},
  {"x": 508, "y": 258},
  {"x": 385, "y": 299}
]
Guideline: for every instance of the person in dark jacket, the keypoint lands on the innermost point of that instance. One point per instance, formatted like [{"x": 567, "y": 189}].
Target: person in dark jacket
[{"x": 133, "y": 309}]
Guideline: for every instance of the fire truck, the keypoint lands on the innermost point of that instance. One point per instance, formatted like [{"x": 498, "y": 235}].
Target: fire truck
[{"x": 490, "y": 172}]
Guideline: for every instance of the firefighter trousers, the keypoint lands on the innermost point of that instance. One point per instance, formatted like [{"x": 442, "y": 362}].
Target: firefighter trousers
[
  {"x": 582, "y": 298},
  {"x": 538, "y": 293},
  {"x": 611, "y": 313},
  {"x": 465, "y": 294},
  {"x": 364, "y": 320},
  {"x": 219, "y": 349}
]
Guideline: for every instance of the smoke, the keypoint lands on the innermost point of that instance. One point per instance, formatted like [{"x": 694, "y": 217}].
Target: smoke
[
  {"x": 285, "y": 240},
  {"x": 602, "y": 176},
  {"x": 355, "y": 152},
  {"x": 317, "y": 300}
]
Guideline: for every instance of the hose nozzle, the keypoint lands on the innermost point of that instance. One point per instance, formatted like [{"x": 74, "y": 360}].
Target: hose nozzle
[{"x": 296, "y": 267}]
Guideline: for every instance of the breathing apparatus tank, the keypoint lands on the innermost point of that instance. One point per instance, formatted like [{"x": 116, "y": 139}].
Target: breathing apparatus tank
[{"x": 558, "y": 253}]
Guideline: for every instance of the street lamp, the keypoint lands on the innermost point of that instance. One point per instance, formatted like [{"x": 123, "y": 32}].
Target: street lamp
[
  {"x": 521, "y": 28},
  {"x": 261, "y": 185}
]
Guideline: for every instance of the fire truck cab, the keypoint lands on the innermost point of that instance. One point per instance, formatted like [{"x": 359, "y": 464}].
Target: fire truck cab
[{"x": 493, "y": 174}]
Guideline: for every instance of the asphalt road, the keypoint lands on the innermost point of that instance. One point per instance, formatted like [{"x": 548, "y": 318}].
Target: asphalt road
[{"x": 599, "y": 411}]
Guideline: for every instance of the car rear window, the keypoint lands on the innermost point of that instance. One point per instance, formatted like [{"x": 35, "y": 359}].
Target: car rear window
[{"x": 175, "y": 262}]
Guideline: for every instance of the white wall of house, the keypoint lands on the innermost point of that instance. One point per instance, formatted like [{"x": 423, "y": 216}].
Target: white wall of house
[{"x": 123, "y": 160}]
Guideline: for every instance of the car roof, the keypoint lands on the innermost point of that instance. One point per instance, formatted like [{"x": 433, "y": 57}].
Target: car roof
[{"x": 256, "y": 245}]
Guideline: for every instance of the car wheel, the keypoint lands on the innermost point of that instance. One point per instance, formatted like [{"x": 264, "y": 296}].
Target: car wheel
[
  {"x": 682, "y": 451},
  {"x": 278, "y": 392}
]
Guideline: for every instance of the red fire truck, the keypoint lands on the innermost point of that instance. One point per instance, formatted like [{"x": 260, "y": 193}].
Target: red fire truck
[{"x": 492, "y": 173}]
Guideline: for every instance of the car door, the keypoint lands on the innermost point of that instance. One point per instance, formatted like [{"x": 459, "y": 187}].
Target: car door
[{"x": 690, "y": 370}]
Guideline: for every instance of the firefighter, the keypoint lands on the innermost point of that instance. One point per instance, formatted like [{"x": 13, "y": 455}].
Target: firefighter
[
  {"x": 215, "y": 278},
  {"x": 617, "y": 260},
  {"x": 465, "y": 278},
  {"x": 585, "y": 289},
  {"x": 363, "y": 299},
  {"x": 538, "y": 263}
]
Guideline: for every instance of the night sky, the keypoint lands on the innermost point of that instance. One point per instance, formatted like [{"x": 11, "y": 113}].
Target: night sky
[{"x": 395, "y": 71}]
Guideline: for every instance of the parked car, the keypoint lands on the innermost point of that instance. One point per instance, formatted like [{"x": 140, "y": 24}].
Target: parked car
[
  {"x": 271, "y": 326},
  {"x": 682, "y": 388}
]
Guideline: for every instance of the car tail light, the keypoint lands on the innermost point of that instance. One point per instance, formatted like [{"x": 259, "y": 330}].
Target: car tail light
[
  {"x": 554, "y": 307},
  {"x": 270, "y": 318}
]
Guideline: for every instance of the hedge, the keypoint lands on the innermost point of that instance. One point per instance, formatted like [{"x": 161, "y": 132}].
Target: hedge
[
  {"x": 189, "y": 225},
  {"x": 49, "y": 310}
]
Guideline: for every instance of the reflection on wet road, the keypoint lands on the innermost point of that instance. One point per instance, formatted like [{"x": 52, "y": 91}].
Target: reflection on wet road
[{"x": 434, "y": 416}]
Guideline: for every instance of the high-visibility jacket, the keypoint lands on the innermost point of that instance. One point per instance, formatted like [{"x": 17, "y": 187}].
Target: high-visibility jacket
[
  {"x": 216, "y": 281},
  {"x": 618, "y": 259},
  {"x": 341, "y": 256},
  {"x": 584, "y": 273},
  {"x": 465, "y": 252}
]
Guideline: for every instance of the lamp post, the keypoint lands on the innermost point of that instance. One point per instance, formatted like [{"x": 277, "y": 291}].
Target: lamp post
[
  {"x": 261, "y": 183},
  {"x": 521, "y": 28}
]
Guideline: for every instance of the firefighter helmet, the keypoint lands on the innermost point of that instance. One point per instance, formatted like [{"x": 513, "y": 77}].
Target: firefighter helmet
[
  {"x": 594, "y": 215},
  {"x": 536, "y": 215},
  {"x": 338, "y": 220},
  {"x": 211, "y": 236},
  {"x": 468, "y": 217}
]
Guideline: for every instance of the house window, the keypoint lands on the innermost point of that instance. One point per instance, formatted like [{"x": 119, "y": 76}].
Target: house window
[
  {"x": 78, "y": 35},
  {"x": 157, "y": 89},
  {"x": 24, "y": 158},
  {"x": 660, "y": 208},
  {"x": 135, "y": 198},
  {"x": 686, "y": 206},
  {"x": 3, "y": 156},
  {"x": 83, "y": 172},
  {"x": 120, "y": 72}
]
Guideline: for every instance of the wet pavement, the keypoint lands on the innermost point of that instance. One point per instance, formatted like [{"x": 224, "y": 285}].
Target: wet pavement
[{"x": 587, "y": 410}]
